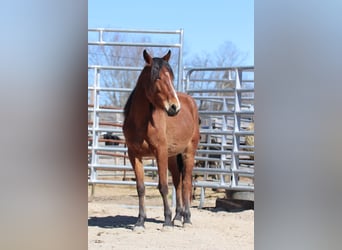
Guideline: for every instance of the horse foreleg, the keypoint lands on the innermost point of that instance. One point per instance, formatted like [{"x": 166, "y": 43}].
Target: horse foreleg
[
  {"x": 162, "y": 161},
  {"x": 139, "y": 175},
  {"x": 177, "y": 182}
]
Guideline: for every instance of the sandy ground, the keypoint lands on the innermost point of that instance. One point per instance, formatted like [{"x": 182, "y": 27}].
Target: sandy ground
[{"x": 113, "y": 212}]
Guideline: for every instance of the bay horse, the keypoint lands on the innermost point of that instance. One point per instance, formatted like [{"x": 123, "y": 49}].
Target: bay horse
[{"x": 162, "y": 123}]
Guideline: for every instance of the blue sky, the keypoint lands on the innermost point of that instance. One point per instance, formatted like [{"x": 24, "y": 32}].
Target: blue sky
[{"x": 206, "y": 24}]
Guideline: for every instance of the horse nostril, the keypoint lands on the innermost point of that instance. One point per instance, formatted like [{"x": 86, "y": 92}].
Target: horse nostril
[{"x": 173, "y": 107}]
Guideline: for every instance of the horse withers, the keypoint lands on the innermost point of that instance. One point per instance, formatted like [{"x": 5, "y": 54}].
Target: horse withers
[{"x": 163, "y": 123}]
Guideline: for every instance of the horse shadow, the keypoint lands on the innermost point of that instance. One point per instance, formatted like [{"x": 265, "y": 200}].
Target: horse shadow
[{"x": 118, "y": 221}]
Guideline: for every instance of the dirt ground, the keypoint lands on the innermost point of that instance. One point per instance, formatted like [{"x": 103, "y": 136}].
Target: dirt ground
[{"x": 113, "y": 210}]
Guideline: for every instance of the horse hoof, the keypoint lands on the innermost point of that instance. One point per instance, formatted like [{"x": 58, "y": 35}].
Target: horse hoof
[
  {"x": 187, "y": 225},
  {"x": 138, "y": 229},
  {"x": 177, "y": 223},
  {"x": 167, "y": 229}
]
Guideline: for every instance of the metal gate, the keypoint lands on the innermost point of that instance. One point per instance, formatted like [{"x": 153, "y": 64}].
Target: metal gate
[
  {"x": 109, "y": 84},
  {"x": 224, "y": 96}
]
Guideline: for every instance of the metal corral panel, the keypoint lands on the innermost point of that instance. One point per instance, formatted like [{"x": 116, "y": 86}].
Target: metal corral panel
[{"x": 225, "y": 97}]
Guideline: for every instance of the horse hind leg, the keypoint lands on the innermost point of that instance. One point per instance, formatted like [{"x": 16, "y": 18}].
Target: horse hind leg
[
  {"x": 175, "y": 167},
  {"x": 188, "y": 161}
]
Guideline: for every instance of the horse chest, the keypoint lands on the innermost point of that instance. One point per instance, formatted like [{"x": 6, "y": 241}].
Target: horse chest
[{"x": 166, "y": 142}]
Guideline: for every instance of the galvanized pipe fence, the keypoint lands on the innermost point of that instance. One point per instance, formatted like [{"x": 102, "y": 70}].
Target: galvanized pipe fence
[{"x": 225, "y": 97}]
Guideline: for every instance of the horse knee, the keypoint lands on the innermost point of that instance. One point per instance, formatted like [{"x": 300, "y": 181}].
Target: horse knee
[
  {"x": 141, "y": 190},
  {"x": 163, "y": 189},
  {"x": 187, "y": 184}
]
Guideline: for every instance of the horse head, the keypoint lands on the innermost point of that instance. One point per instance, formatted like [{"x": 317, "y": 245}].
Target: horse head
[{"x": 160, "y": 89}]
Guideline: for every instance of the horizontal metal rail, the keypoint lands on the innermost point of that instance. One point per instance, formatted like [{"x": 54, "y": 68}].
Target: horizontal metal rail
[
  {"x": 110, "y": 167},
  {"x": 111, "y": 89},
  {"x": 171, "y": 45},
  {"x": 128, "y": 68},
  {"x": 135, "y": 31}
]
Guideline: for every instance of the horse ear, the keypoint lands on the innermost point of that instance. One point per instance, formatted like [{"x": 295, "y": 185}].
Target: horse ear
[
  {"x": 147, "y": 57},
  {"x": 167, "y": 56}
]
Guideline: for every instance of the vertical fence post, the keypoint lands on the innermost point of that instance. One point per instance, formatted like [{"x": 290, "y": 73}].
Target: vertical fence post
[
  {"x": 180, "y": 85},
  {"x": 237, "y": 126},
  {"x": 93, "y": 175}
]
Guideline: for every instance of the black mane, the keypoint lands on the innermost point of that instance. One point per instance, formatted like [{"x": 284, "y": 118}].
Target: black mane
[{"x": 128, "y": 103}]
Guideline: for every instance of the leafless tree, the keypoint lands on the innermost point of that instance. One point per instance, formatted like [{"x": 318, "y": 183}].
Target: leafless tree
[{"x": 226, "y": 55}]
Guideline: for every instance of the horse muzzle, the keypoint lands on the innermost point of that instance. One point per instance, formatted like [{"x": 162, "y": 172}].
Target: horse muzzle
[{"x": 172, "y": 110}]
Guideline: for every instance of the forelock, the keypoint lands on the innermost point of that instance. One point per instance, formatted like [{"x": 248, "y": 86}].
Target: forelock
[{"x": 157, "y": 65}]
